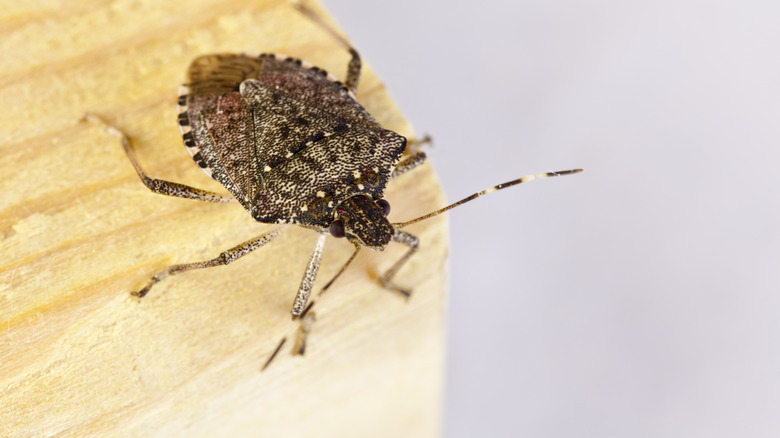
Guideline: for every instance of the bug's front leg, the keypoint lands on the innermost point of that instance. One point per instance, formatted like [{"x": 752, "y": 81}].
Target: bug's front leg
[
  {"x": 304, "y": 315},
  {"x": 307, "y": 282},
  {"x": 413, "y": 243}
]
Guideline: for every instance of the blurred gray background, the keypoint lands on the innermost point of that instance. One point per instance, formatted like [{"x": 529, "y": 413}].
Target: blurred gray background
[{"x": 642, "y": 297}]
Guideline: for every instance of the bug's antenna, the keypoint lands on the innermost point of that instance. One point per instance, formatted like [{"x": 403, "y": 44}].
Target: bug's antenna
[{"x": 501, "y": 186}]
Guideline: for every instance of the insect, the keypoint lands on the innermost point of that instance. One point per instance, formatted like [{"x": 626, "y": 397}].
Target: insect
[{"x": 293, "y": 146}]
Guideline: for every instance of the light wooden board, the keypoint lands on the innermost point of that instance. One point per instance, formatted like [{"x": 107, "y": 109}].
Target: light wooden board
[{"x": 79, "y": 356}]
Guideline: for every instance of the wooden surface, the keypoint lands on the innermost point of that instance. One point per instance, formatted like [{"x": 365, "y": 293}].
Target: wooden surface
[{"x": 79, "y": 356}]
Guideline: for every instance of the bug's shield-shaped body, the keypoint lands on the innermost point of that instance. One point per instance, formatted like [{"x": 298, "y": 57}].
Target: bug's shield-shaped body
[{"x": 288, "y": 140}]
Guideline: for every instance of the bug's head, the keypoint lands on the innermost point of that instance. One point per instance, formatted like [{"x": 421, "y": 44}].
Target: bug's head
[{"x": 363, "y": 221}]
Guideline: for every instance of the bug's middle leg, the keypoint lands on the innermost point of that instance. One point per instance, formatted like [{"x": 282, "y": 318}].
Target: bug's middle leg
[
  {"x": 226, "y": 257},
  {"x": 304, "y": 314}
]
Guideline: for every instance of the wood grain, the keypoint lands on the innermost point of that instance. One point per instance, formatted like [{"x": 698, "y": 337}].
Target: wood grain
[{"x": 79, "y": 356}]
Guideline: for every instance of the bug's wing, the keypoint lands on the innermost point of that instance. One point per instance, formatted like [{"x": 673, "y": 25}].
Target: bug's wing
[
  {"x": 311, "y": 158},
  {"x": 216, "y": 124},
  {"x": 266, "y": 128},
  {"x": 220, "y": 132},
  {"x": 223, "y": 73},
  {"x": 237, "y": 138},
  {"x": 312, "y": 85},
  {"x": 217, "y": 74}
]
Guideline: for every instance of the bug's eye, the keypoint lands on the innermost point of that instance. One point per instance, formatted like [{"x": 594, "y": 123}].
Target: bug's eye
[
  {"x": 384, "y": 205},
  {"x": 337, "y": 228}
]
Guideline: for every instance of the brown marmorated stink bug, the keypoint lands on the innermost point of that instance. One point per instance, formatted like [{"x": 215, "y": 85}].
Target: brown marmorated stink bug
[{"x": 293, "y": 146}]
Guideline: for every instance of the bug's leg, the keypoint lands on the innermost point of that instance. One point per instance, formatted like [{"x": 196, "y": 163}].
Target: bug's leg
[
  {"x": 414, "y": 145},
  {"x": 226, "y": 257},
  {"x": 408, "y": 164},
  {"x": 412, "y": 242},
  {"x": 301, "y": 335},
  {"x": 307, "y": 282},
  {"x": 157, "y": 185},
  {"x": 324, "y": 288},
  {"x": 353, "y": 68},
  {"x": 341, "y": 271},
  {"x": 306, "y": 321}
]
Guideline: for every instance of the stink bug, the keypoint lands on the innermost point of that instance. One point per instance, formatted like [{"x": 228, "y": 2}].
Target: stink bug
[{"x": 293, "y": 146}]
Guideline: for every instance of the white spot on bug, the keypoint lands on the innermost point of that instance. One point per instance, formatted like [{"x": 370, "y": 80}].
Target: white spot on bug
[
  {"x": 306, "y": 65},
  {"x": 209, "y": 125},
  {"x": 185, "y": 129},
  {"x": 375, "y": 169},
  {"x": 330, "y": 204},
  {"x": 331, "y": 78},
  {"x": 320, "y": 194},
  {"x": 193, "y": 151},
  {"x": 304, "y": 208},
  {"x": 356, "y": 174},
  {"x": 289, "y": 154},
  {"x": 360, "y": 187},
  {"x": 267, "y": 168},
  {"x": 280, "y": 57}
]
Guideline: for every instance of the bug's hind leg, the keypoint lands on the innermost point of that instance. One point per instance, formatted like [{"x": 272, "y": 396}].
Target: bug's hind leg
[
  {"x": 157, "y": 185},
  {"x": 354, "y": 66},
  {"x": 226, "y": 257}
]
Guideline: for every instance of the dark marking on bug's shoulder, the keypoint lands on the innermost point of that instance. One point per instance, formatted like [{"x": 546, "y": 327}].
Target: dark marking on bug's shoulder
[{"x": 189, "y": 139}]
